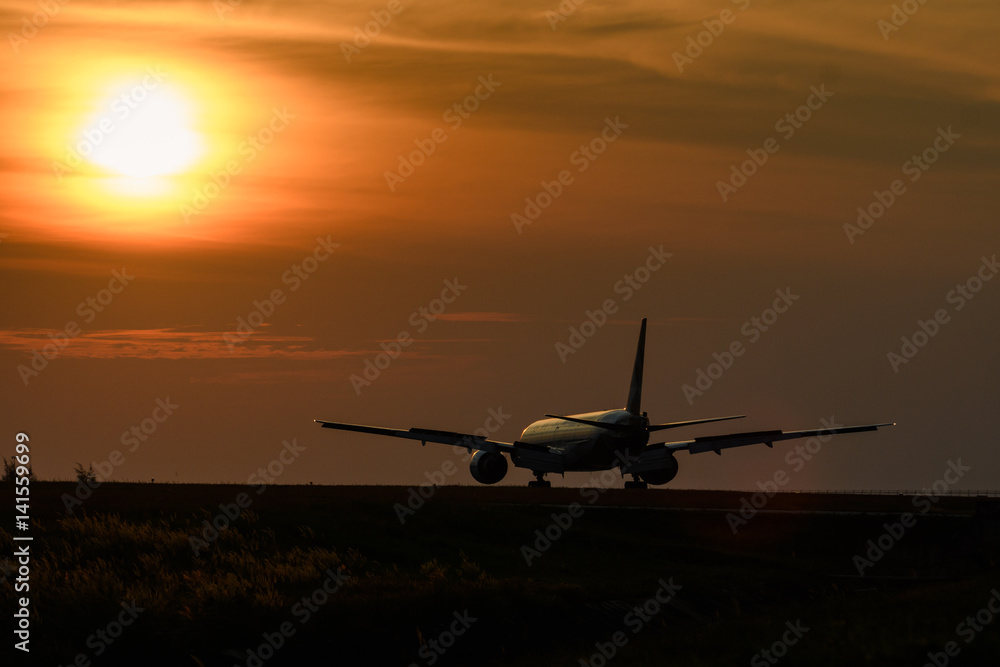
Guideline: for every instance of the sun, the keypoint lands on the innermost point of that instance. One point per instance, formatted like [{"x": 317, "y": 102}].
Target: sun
[
  {"x": 144, "y": 130},
  {"x": 133, "y": 141}
]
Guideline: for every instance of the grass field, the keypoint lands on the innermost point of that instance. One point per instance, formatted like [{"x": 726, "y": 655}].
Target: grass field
[{"x": 452, "y": 585}]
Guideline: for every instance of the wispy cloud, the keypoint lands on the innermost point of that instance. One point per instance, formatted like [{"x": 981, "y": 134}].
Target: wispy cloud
[
  {"x": 169, "y": 344},
  {"x": 484, "y": 317},
  {"x": 267, "y": 377}
]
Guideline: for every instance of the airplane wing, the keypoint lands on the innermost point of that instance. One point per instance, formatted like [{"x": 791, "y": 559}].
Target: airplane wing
[
  {"x": 522, "y": 454},
  {"x": 425, "y": 435},
  {"x": 716, "y": 443}
]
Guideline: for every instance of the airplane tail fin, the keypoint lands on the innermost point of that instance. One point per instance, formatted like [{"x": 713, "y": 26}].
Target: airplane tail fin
[{"x": 635, "y": 389}]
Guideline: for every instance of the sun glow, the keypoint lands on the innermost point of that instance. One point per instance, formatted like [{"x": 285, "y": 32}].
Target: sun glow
[
  {"x": 130, "y": 142},
  {"x": 126, "y": 145},
  {"x": 144, "y": 130}
]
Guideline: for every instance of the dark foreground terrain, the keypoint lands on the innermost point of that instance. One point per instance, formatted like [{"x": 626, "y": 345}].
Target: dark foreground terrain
[{"x": 304, "y": 575}]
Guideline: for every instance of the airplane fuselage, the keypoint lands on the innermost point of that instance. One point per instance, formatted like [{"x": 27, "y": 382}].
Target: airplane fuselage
[{"x": 589, "y": 447}]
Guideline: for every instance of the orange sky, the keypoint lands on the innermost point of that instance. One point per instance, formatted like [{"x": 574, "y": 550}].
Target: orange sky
[{"x": 293, "y": 186}]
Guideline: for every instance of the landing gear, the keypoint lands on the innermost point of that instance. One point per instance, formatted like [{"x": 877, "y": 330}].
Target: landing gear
[
  {"x": 636, "y": 483},
  {"x": 540, "y": 481}
]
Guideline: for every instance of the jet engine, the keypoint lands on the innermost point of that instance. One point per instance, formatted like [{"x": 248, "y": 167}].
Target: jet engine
[
  {"x": 488, "y": 467},
  {"x": 661, "y": 475}
]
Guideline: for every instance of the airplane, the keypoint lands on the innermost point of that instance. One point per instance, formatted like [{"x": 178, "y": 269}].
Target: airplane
[{"x": 595, "y": 441}]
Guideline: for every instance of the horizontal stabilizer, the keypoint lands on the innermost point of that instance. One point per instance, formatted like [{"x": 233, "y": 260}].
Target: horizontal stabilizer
[{"x": 692, "y": 422}]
